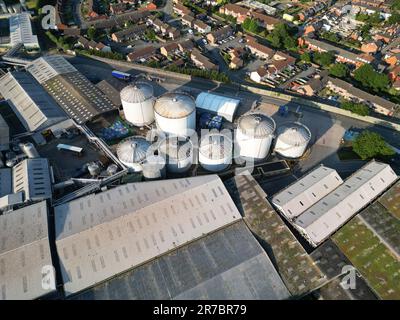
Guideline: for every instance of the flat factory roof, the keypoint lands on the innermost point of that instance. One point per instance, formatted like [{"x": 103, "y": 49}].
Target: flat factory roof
[
  {"x": 332, "y": 211},
  {"x": 227, "y": 264},
  {"x": 24, "y": 251},
  {"x": 305, "y": 192},
  {"x": 102, "y": 235}
]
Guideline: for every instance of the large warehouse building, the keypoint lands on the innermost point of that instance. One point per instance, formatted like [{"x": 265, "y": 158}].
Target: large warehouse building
[
  {"x": 25, "y": 254},
  {"x": 327, "y": 215},
  {"x": 305, "y": 192},
  {"x": 130, "y": 225},
  {"x": 228, "y": 264},
  {"x": 33, "y": 106},
  {"x": 21, "y": 31},
  {"x": 73, "y": 91}
]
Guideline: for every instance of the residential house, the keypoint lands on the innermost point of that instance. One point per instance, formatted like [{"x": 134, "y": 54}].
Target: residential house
[
  {"x": 348, "y": 91},
  {"x": 129, "y": 34},
  {"x": 235, "y": 11},
  {"x": 187, "y": 21},
  {"x": 265, "y": 21},
  {"x": 220, "y": 34},
  {"x": 83, "y": 42},
  {"x": 173, "y": 33},
  {"x": 259, "y": 50},
  {"x": 236, "y": 55},
  {"x": 313, "y": 86},
  {"x": 117, "y": 8},
  {"x": 259, "y": 74},
  {"x": 201, "y": 27},
  {"x": 169, "y": 49},
  {"x": 370, "y": 47},
  {"x": 343, "y": 56},
  {"x": 102, "y": 47},
  {"x": 186, "y": 46},
  {"x": 202, "y": 61},
  {"x": 181, "y": 10},
  {"x": 142, "y": 53}
]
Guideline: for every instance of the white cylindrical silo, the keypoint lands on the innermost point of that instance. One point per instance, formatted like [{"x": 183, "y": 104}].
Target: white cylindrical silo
[
  {"x": 175, "y": 113},
  {"x": 138, "y": 102},
  {"x": 132, "y": 152},
  {"x": 178, "y": 152},
  {"x": 154, "y": 167},
  {"x": 254, "y": 135},
  {"x": 215, "y": 152},
  {"x": 292, "y": 140}
]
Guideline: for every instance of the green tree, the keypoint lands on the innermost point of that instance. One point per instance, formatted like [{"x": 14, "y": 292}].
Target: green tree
[
  {"x": 358, "y": 108},
  {"x": 250, "y": 25},
  {"x": 368, "y": 77},
  {"x": 306, "y": 57},
  {"x": 323, "y": 58},
  {"x": 282, "y": 37},
  {"x": 394, "y": 18},
  {"x": 369, "y": 145},
  {"x": 339, "y": 70},
  {"x": 91, "y": 33}
]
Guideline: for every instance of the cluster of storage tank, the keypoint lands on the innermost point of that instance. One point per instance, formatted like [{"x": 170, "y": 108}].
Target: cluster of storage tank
[
  {"x": 174, "y": 112},
  {"x": 175, "y": 115}
]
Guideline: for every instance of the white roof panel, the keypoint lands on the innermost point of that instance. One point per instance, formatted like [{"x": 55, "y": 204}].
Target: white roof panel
[
  {"x": 332, "y": 211},
  {"x": 220, "y": 105},
  {"x": 305, "y": 192},
  {"x": 102, "y": 235},
  {"x": 21, "y": 30},
  {"x": 24, "y": 251}
]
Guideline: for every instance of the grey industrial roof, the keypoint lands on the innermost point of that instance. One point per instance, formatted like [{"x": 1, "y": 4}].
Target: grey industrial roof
[
  {"x": 102, "y": 235},
  {"x": 305, "y": 192},
  {"x": 4, "y": 131},
  {"x": 73, "y": 91},
  {"x": 32, "y": 176},
  {"x": 111, "y": 88},
  {"x": 228, "y": 264},
  {"x": 5, "y": 181},
  {"x": 24, "y": 251},
  {"x": 332, "y": 211},
  {"x": 32, "y": 104},
  {"x": 21, "y": 30},
  {"x": 48, "y": 67}
]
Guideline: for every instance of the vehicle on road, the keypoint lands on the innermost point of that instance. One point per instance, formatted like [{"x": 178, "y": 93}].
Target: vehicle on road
[{"x": 121, "y": 75}]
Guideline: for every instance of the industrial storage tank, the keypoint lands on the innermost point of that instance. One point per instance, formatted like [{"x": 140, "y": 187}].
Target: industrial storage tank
[
  {"x": 178, "y": 152},
  {"x": 132, "y": 152},
  {"x": 175, "y": 113},
  {"x": 138, "y": 102},
  {"x": 292, "y": 140},
  {"x": 29, "y": 150},
  {"x": 154, "y": 167},
  {"x": 254, "y": 135},
  {"x": 215, "y": 152}
]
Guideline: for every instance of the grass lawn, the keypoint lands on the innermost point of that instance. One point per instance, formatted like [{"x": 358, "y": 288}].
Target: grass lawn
[
  {"x": 371, "y": 257},
  {"x": 347, "y": 154}
]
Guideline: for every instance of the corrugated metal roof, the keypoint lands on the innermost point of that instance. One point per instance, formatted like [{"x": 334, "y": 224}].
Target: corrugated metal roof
[
  {"x": 307, "y": 191},
  {"x": 227, "y": 264},
  {"x": 32, "y": 104},
  {"x": 332, "y": 211},
  {"x": 32, "y": 177},
  {"x": 24, "y": 251},
  {"x": 102, "y": 235},
  {"x": 48, "y": 67}
]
